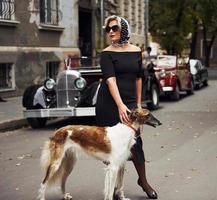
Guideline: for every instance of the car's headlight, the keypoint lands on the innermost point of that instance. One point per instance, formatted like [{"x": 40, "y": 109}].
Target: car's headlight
[
  {"x": 49, "y": 84},
  {"x": 80, "y": 83},
  {"x": 162, "y": 73}
]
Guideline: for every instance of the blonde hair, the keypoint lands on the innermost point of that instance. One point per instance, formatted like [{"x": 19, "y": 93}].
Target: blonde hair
[
  {"x": 123, "y": 25},
  {"x": 112, "y": 18}
]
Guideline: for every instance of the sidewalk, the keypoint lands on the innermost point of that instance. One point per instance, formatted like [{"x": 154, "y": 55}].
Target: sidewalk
[{"x": 11, "y": 114}]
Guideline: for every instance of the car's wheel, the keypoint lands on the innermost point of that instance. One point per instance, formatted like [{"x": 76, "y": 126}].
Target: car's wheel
[
  {"x": 154, "y": 103},
  {"x": 37, "y": 122},
  {"x": 28, "y": 96},
  {"x": 191, "y": 91},
  {"x": 176, "y": 94},
  {"x": 205, "y": 83},
  {"x": 197, "y": 86}
]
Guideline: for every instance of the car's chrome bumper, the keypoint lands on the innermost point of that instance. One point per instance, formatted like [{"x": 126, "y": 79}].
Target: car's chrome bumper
[{"x": 60, "y": 112}]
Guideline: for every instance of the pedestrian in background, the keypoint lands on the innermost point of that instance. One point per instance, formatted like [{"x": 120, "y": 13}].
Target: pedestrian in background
[{"x": 121, "y": 88}]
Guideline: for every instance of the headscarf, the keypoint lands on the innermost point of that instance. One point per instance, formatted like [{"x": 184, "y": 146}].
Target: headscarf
[{"x": 125, "y": 31}]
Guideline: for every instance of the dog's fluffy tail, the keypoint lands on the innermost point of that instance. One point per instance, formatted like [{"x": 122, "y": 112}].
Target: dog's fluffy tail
[
  {"x": 45, "y": 156},
  {"x": 53, "y": 153},
  {"x": 57, "y": 161},
  {"x": 52, "y": 160}
]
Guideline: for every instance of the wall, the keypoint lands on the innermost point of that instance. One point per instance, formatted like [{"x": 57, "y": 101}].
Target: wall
[
  {"x": 134, "y": 12},
  {"x": 29, "y": 44}
]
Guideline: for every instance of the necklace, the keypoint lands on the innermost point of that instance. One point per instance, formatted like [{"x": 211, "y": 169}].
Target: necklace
[{"x": 117, "y": 44}]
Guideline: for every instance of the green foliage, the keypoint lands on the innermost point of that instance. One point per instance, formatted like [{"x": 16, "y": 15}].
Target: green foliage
[
  {"x": 172, "y": 21},
  {"x": 170, "y": 24},
  {"x": 207, "y": 12}
]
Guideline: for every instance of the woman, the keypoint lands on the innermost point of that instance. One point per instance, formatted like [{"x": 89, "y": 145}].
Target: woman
[{"x": 121, "y": 88}]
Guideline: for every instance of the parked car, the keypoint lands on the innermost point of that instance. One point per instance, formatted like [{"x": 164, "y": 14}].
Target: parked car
[
  {"x": 199, "y": 73},
  {"x": 174, "y": 75},
  {"x": 74, "y": 94}
]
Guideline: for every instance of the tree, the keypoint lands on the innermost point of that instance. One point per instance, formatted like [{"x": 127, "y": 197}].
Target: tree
[
  {"x": 170, "y": 24},
  {"x": 195, "y": 26},
  {"x": 207, "y": 13}
]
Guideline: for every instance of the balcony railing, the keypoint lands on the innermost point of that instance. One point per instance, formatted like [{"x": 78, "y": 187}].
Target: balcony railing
[{"x": 7, "y": 9}]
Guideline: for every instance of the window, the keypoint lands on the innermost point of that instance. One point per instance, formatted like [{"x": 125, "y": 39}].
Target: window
[
  {"x": 52, "y": 69},
  {"x": 49, "y": 12},
  {"x": 6, "y": 76},
  {"x": 7, "y": 9}
]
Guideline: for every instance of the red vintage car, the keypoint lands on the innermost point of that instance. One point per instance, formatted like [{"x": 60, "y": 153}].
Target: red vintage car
[{"x": 174, "y": 75}]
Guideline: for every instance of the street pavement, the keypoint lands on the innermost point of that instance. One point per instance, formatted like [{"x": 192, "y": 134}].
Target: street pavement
[
  {"x": 181, "y": 156},
  {"x": 11, "y": 114}
]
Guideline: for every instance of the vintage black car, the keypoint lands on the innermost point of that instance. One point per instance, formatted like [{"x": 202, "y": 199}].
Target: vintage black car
[
  {"x": 74, "y": 94},
  {"x": 199, "y": 73}
]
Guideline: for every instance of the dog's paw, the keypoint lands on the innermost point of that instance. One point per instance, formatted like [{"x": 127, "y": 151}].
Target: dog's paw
[
  {"x": 117, "y": 197},
  {"x": 67, "y": 196},
  {"x": 106, "y": 162},
  {"x": 121, "y": 198}
]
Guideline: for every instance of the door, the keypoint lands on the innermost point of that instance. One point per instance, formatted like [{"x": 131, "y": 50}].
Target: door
[{"x": 85, "y": 35}]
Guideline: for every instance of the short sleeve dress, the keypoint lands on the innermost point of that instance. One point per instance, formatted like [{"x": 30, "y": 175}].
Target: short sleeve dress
[{"x": 126, "y": 67}]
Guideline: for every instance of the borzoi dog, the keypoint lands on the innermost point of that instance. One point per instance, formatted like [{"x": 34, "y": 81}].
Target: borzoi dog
[{"x": 112, "y": 145}]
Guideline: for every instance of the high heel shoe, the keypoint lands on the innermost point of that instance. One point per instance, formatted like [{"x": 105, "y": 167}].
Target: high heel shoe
[{"x": 152, "y": 195}]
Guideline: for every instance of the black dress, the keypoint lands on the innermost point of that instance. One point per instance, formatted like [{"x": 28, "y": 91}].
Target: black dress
[{"x": 126, "y": 67}]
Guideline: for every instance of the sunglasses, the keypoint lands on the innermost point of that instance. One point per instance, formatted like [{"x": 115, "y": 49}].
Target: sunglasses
[{"x": 114, "y": 28}]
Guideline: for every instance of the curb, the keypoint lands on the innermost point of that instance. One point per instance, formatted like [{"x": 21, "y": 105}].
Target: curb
[{"x": 12, "y": 125}]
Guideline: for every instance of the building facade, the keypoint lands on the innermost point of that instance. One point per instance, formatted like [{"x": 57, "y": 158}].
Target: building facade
[
  {"x": 37, "y": 35},
  {"x": 134, "y": 12}
]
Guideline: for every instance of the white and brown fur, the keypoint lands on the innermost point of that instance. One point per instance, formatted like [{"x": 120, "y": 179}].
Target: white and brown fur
[{"x": 109, "y": 144}]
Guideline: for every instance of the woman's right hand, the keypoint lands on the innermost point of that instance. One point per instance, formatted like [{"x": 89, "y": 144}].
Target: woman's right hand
[{"x": 122, "y": 109}]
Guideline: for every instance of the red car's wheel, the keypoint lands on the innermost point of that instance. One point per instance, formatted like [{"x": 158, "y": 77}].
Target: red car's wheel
[
  {"x": 191, "y": 91},
  {"x": 175, "y": 95}
]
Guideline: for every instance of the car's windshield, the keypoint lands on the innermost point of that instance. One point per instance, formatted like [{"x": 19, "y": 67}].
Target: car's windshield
[{"x": 166, "y": 61}]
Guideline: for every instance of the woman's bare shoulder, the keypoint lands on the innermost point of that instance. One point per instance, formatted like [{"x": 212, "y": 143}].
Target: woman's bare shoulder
[{"x": 129, "y": 47}]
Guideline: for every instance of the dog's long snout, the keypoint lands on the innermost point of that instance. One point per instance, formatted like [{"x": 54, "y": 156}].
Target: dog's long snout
[
  {"x": 152, "y": 121},
  {"x": 144, "y": 116}
]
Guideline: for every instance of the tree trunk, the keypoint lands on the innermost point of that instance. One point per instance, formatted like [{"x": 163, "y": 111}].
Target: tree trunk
[
  {"x": 193, "y": 45},
  {"x": 194, "y": 41},
  {"x": 208, "y": 45},
  {"x": 207, "y": 57}
]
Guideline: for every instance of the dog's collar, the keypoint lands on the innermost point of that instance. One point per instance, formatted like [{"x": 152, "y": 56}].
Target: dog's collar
[{"x": 137, "y": 132}]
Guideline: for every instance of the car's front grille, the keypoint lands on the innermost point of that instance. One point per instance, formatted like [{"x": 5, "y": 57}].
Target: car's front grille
[{"x": 67, "y": 94}]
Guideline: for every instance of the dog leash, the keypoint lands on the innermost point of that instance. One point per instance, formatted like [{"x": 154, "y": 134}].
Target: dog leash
[{"x": 137, "y": 132}]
